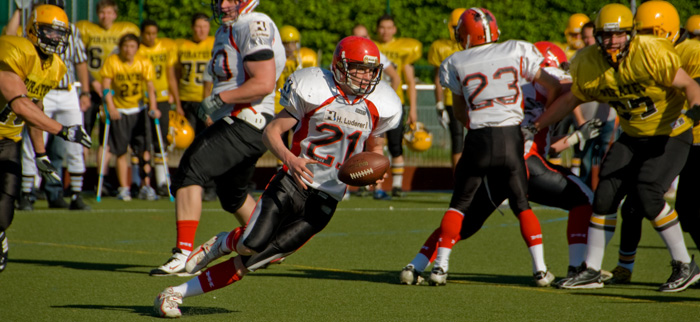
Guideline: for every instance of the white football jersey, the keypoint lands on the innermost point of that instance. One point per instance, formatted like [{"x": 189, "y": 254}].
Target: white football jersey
[
  {"x": 489, "y": 77},
  {"x": 535, "y": 98},
  {"x": 251, "y": 33},
  {"x": 332, "y": 126}
]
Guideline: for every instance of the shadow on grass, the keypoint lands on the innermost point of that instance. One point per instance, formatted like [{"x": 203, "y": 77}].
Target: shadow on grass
[
  {"x": 147, "y": 310},
  {"x": 122, "y": 268},
  {"x": 661, "y": 298}
]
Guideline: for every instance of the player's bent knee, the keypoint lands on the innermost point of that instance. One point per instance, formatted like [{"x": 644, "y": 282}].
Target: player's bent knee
[{"x": 7, "y": 210}]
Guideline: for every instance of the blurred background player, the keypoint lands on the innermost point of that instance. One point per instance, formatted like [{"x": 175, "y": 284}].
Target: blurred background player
[
  {"x": 241, "y": 105},
  {"x": 402, "y": 52},
  {"x": 29, "y": 68},
  {"x": 439, "y": 51},
  {"x": 100, "y": 40},
  {"x": 295, "y": 206},
  {"x": 661, "y": 18},
  {"x": 297, "y": 58},
  {"x": 163, "y": 55},
  {"x": 64, "y": 104},
  {"x": 692, "y": 26},
  {"x": 193, "y": 56},
  {"x": 124, "y": 76},
  {"x": 492, "y": 165},
  {"x": 645, "y": 85},
  {"x": 574, "y": 39}
]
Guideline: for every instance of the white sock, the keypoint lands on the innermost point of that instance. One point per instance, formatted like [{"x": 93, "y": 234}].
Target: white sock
[
  {"x": 420, "y": 262},
  {"x": 666, "y": 224},
  {"x": 76, "y": 182},
  {"x": 600, "y": 232},
  {"x": 537, "y": 253},
  {"x": 397, "y": 175},
  {"x": 577, "y": 254},
  {"x": 159, "y": 170},
  {"x": 190, "y": 288},
  {"x": 443, "y": 258},
  {"x": 27, "y": 184}
]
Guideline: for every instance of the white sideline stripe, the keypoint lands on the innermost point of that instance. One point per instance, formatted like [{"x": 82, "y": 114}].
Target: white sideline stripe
[{"x": 151, "y": 210}]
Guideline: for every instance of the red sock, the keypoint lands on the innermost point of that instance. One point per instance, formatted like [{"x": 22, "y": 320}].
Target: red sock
[
  {"x": 577, "y": 227},
  {"x": 530, "y": 228},
  {"x": 430, "y": 247},
  {"x": 450, "y": 227},
  {"x": 186, "y": 229},
  {"x": 218, "y": 276},
  {"x": 233, "y": 237}
]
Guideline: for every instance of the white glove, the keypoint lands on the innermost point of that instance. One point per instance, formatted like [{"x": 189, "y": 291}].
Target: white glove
[
  {"x": 209, "y": 105},
  {"x": 443, "y": 117},
  {"x": 48, "y": 172},
  {"x": 75, "y": 133}
]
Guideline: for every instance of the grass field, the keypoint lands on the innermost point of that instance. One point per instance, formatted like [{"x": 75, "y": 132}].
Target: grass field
[{"x": 93, "y": 266}]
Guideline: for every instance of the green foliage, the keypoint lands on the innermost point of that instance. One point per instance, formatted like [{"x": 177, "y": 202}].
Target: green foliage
[{"x": 323, "y": 22}]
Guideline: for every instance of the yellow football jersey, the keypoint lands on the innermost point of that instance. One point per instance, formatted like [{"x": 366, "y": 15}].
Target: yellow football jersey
[
  {"x": 640, "y": 89},
  {"x": 100, "y": 43},
  {"x": 128, "y": 81},
  {"x": 689, "y": 50},
  {"x": 193, "y": 58},
  {"x": 305, "y": 58},
  {"x": 402, "y": 52},
  {"x": 18, "y": 55},
  {"x": 439, "y": 50},
  {"x": 163, "y": 54}
]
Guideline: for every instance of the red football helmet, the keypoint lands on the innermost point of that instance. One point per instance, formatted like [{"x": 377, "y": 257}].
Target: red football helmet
[
  {"x": 554, "y": 56},
  {"x": 477, "y": 26},
  {"x": 243, "y": 7},
  {"x": 354, "y": 60}
]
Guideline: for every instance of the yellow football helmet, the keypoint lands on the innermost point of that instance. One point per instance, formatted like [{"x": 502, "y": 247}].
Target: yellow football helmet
[
  {"x": 573, "y": 27},
  {"x": 290, "y": 34},
  {"x": 308, "y": 57},
  {"x": 180, "y": 132},
  {"x": 417, "y": 138},
  {"x": 661, "y": 17},
  {"x": 693, "y": 25},
  {"x": 614, "y": 17},
  {"x": 48, "y": 29},
  {"x": 454, "y": 20}
]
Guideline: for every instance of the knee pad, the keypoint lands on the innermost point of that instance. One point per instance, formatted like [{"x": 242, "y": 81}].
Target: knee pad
[
  {"x": 7, "y": 210},
  {"x": 649, "y": 201},
  {"x": 232, "y": 205},
  {"x": 604, "y": 201}
]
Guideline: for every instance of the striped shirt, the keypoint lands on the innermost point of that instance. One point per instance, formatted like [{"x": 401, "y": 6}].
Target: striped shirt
[{"x": 74, "y": 54}]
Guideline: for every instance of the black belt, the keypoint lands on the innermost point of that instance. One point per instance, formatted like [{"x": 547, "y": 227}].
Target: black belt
[{"x": 62, "y": 88}]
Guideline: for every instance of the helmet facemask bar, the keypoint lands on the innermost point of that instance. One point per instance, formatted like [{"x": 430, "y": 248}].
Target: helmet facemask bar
[
  {"x": 243, "y": 7},
  {"x": 358, "y": 84},
  {"x": 614, "y": 56},
  {"x": 51, "y": 39}
]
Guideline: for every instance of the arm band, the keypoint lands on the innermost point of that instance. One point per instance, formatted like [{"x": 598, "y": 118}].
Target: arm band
[
  {"x": 107, "y": 91},
  {"x": 9, "y": 103},
  {"x": 260, "y": 55}
]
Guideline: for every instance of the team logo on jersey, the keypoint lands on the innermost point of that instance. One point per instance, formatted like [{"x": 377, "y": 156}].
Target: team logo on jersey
[
  {"x": 347, "y": 118},
  {"x": 258, "y": 29}
]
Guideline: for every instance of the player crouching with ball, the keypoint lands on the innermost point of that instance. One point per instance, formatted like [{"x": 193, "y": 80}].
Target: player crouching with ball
[{"x": 333, "y": 114}]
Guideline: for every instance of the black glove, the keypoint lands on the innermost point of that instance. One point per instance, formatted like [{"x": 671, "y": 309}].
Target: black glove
[
  {"x": 587, "y": 131},
  {"x": 209, "y": 105},
  {"x": 75, "y": 133},
  {"x": 47, "y": 171},
  {"x": 529, "y": 132},
  {"x": 693, "y": 113}
]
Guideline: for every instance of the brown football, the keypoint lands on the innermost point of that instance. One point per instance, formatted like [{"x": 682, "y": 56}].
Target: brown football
[{"x": 363, "y": 168}]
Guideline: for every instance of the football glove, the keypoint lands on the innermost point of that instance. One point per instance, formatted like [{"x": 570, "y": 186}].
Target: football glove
[
  {"x": 529, "y": 132},
  {"x": 443, "y": 117},
  {"x": 48, "y": 172},
  {"x": 693, "y": 113},
  {"x": 75, "y": 133},
  {"x": 209, "y": 105},
  {"x": 587, "y": 131}
]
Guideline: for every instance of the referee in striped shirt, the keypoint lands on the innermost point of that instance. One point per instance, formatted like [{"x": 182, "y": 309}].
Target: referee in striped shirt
[{"x": 65, "y": 104}]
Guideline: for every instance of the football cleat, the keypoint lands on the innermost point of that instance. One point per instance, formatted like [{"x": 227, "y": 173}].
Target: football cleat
[
  {"x": 124, "y": 194},
  {"x": 77, "y": 203},
  {"x": 175, "y": 266},
  {"x": 543, "y": 279},
  {"x": 438, "y": 277},
  {"x": 588, "y": 278},
  {"x": 207, "y": 253},
  {"x": 147, "y": 193},
  {"x": 605, "y": 276},
  {"x": 397, "y": 192},
  {"x": 4, "y": 250},
  {"x": 381, "y": 195},
  {"x": 167, "y": 302},
  {"x": 571, "y": 271},
  {"x": 620, "y": 275},
  {"x": 410, "y": 276},
  {"x": 682, "y": 276},
  {"x": 25, "y": 203}
]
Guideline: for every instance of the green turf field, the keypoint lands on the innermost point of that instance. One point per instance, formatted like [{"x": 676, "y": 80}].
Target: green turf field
[{"x": 93, "y": 266}]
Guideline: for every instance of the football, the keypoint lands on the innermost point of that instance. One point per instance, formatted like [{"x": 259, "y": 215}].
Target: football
[{"x": 363, "y": 168}]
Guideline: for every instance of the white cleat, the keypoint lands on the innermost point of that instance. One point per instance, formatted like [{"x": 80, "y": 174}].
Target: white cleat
[
  {"x": 438, "y": 277},
  {"x": 175, "y": 266},
  {"x": 166, "y": 303},
  {"x": 543, "y": 279},
  {"x": 207, "y": 253},
  {"x": 410, "y": 276}
]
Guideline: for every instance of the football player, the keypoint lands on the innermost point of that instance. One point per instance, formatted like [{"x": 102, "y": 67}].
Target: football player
[
  {"x": 163, "y": 55},
  {"x": 247, "y": 60},
  {"x": 100, "y": 40},
  {"x": 693, "y": 26},
  {"x": 29, "y": 68},
  {"x": 403, "y": 52},
  {"x": 661, "y": 18},
  {"x": 573, "y": 34},
  {"x": 334, "y": 115},
  {"x": 487, "y": 99},
  {"x": 655, "y": 142},
  {"x": 438, "y": 52},
  {"x": 124, "y": 76}
]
